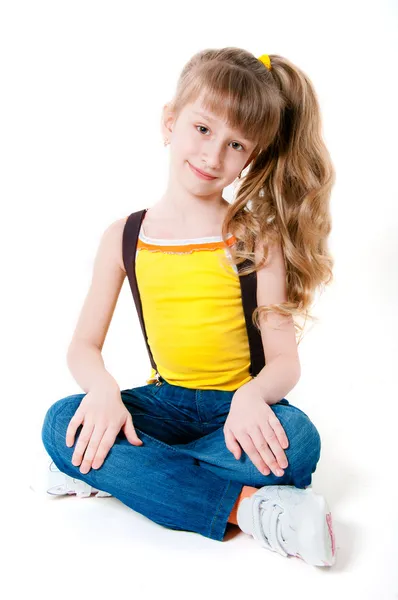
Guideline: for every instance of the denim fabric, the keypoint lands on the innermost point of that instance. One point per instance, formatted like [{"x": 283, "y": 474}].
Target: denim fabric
[{"x": 183, "y": 476}]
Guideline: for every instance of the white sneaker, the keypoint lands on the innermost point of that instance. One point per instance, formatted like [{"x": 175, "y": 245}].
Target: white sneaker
[
  {"x": 291, "y": 522},
  {"x": 48, "y": 478}
]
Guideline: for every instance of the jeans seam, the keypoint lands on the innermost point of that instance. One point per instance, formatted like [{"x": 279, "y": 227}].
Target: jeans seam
[
  {"x": 218, "y": 507},
  {"x": 144, "y": 414},
  {"x": 53, "y": 430},
  {"x": 198, "y": 392}
]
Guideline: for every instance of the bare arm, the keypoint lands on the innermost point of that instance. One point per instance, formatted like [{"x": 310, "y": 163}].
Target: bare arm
[
  {"x": 84, "y": 357},
  {"x": 282, "y": 370},
  {"x": 279, "y": 376},
  {"x": 87, "y": 366}
]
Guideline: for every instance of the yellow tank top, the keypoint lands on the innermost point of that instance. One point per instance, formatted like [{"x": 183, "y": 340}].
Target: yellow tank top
[{"x": 193, "y": 313}]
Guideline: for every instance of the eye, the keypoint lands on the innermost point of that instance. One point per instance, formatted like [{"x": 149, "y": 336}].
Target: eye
[
  {"x": 203, "y": 127},
  {"x": 239, "y": 145}
]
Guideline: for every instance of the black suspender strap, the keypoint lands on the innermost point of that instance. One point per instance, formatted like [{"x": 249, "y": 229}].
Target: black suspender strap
[
  {"x": 130, "y": 241},
  {"x": 248, "y": 286}
]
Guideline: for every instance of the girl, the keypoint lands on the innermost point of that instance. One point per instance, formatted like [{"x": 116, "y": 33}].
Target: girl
[{"x": 210, "y": 439}]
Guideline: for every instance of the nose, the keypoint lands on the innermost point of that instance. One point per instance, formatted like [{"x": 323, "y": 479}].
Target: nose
[{"x": 213, "y": 155}]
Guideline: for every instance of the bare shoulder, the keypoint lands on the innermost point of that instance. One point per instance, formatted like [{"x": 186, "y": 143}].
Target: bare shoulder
[
  {"x": 277, "y": 332},
  {"x": 271, "y": 276},
  {"x": 106, "y": 283},
  {"x": 113, "y": 239}
]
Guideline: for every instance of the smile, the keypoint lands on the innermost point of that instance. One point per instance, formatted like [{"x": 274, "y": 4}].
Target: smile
[{"x": 201, "y": 174}]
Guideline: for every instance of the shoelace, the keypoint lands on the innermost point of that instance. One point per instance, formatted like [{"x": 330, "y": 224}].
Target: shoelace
[{"x": 269, "y": 540}]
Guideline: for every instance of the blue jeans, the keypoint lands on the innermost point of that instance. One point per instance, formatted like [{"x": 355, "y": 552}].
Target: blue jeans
[{"x": 183, "y": 477}]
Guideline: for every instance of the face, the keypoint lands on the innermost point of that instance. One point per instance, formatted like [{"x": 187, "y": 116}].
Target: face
[{"x": 201, "y": 140}]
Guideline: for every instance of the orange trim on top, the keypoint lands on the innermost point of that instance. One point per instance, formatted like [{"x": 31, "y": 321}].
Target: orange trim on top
[{"x": 187, "y": 247}]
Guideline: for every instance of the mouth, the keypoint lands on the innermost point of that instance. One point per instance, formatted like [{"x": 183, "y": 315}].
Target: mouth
[{"x": 201, "y": 174}]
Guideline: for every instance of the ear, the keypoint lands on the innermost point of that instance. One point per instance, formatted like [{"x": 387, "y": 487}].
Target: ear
[{"x": 167, "y": 121}]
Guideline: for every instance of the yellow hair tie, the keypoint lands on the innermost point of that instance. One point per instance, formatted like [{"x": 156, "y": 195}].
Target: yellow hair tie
[{"x": 265, "y": 59}]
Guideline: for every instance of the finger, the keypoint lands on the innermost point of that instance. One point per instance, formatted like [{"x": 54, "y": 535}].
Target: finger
[
  {"x": 231, "y": 443},
  {"x": 81, "y": 443},
  {"x": 279, "y": 431},
  {"x": 74, "y": 423},
  {"x": 106, "y": 444},
  {"x": 130, "y": 432},
  {"x": 92, "y": 448},
  {"x": 261, "y": 443},
  {"x": 269, "y": 435},
  {"x": 248, "y": 446}
]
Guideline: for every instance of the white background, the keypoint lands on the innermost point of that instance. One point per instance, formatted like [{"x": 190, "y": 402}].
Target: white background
[{"x": 82, "y": 88}]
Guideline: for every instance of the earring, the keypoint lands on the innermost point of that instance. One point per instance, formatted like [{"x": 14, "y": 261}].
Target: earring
[
  {"x": 166, "y": 141},
  {"x": 261, "y": 192}
]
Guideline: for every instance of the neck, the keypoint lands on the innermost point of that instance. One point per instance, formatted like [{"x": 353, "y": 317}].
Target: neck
[
  {"x": 191, "y": 205},
  {"x": 191, "y": 212}
]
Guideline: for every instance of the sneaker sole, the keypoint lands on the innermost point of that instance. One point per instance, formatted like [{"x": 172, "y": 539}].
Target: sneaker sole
[{"x": 59, "y": 490}]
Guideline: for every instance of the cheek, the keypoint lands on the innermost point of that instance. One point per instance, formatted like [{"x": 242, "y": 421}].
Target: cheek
[
  {"x": 187, "y": 151},
  {"x": 188, "y": 145}
]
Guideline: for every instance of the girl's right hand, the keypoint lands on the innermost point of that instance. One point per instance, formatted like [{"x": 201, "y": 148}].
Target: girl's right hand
[{"x": 102, "y": 414}]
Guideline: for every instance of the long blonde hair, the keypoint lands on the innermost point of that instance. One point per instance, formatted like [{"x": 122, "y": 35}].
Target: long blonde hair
[{"x": 284, "y": 197}]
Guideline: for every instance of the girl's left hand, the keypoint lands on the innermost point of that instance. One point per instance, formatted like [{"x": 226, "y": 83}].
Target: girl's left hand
[{"x": 253, "y": 423}]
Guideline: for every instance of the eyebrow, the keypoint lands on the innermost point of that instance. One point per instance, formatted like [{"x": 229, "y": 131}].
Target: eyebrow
[
  {"x": 202, "y": 114},
  {"x": 208, "y": 118}
]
